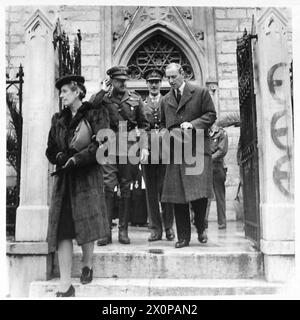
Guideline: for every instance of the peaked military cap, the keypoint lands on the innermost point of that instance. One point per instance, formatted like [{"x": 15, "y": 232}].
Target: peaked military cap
[
  {"x": 153, "y": 74},
  {"x": 67, "y": 79},
  {"x": 118, "y": 72}
]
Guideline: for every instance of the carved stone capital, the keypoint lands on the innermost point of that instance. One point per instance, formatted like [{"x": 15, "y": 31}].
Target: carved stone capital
[
  {"x": 116, "y": 36},
  {"x": 212, "y": 86},
  {"x": 187, "y": 15},
  {"x": 199, "y": 35}
]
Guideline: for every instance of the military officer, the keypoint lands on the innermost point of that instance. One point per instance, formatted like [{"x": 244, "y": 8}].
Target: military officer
[
  {"x": 219, "y": 147},
  {"x": 154, "y": 173},
  {"x": 122, "y": 105}
]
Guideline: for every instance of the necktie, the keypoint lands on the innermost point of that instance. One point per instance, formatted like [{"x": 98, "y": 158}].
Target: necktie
[{"x": 178, "y": 96}]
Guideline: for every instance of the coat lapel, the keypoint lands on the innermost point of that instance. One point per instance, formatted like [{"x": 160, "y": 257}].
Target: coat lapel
[
  {"x": 149, "y": 103},
  {"x": 186, "y": 96},
  {"x": 172, "y": 100},
  {"x": 64, "y": 117},
  {"x": 79, "y": 115}
]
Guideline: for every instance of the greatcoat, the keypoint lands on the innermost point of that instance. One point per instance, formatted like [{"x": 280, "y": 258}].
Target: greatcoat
[
  {"x": 85, "y": 181},
  {"x": 195, "y": 106}
]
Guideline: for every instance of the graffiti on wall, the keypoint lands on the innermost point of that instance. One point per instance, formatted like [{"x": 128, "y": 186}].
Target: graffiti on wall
[{"x": 282, "y": 175}]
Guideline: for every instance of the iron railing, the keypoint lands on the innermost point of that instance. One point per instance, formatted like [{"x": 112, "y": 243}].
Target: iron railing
[
  {"x": 248, "y": 139},
  {"x": 69, "y": 61},
  {"x": 14, "y": 144}
]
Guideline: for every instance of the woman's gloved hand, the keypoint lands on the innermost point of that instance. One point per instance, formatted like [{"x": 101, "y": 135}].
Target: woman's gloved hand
[
  {"x": 70, "y": 164},
  {"x": 61, "y": 159}
]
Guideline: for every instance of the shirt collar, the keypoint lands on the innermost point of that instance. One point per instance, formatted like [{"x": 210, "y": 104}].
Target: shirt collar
[
  {"x": 182, "y": 87},
  {"x": 155, "y": 98},
  {"x": 212, "y": 132}
]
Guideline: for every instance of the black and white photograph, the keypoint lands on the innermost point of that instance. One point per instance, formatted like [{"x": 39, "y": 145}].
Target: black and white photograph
[{"x": 149, "y": 150}]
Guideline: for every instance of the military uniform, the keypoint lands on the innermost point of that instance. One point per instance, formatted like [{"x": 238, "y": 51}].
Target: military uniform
[
  {"x": 129, "y": 108},
  {"x": 219, "y": 147},
  {"x": 154, "y": 173}
]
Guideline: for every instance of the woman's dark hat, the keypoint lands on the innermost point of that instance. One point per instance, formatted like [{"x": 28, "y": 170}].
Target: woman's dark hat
[
  {"x": 118, "y": 72},
  {"x": 67, "y": 79}
]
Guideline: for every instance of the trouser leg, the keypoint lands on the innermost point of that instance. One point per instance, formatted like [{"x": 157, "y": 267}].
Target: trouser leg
[
  {"x": 168, "y": 215},
  {"x": 207, "y": 212},
  {"x": 110, "y": 177},
  {"x": 219, "y": 177},
  {"x": 109, "y": 200},
  {"x": 182, "y": 219},
  {"x": 167, "y": 208},
  {"x": 199, "y": 207},
  {"x": 126, "y": 176},
  {"x": 152, "y": 198}
]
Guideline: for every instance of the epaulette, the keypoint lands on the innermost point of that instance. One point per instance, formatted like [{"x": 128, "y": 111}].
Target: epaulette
[{"x": 134, "y": 93}]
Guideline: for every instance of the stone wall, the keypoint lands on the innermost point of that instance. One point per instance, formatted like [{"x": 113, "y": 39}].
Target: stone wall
[
  {"x": 230, "y": 24},
  {"x": 85, "y": 18}
]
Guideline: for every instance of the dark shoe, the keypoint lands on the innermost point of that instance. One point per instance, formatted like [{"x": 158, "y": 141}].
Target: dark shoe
[
  {"x": 123, "y": 237},
  {"x": 170, "y": 234},
  {"x": 155, "y": 237},
  {"x": 103, "y": 242},
  {"x": 123, "y": 221},
  {"x": 202, "y": 237},
  {"x": 206, "y": 224},
  {"x": 143, "y": 225},
  {"x": 69, "y": 293},
  {"x": 222, "y": 226},
  {"x": 86, "y": 275},
  {"x": 182, "y": 243}
]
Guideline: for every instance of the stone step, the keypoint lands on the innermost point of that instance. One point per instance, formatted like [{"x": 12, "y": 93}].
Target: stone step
[
  {"x": 124, "y": 288},
  {"x": 230, "y": 212},
  {"x": 193, "y": 262}
]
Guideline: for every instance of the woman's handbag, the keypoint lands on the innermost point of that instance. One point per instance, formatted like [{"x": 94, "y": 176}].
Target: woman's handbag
[
  {"x": 81, "y": 139},
  {"x": 82, "y": 136}
]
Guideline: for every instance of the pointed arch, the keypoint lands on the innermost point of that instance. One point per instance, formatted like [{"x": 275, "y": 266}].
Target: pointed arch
[{"x": 194, "y": 53}]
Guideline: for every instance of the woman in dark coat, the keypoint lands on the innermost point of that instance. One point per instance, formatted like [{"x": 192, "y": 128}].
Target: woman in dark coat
[{"x": 77, "y": 208}]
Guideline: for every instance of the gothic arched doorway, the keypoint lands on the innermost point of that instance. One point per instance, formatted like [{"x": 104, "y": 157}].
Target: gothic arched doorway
[{"x": 156, "y": 52}]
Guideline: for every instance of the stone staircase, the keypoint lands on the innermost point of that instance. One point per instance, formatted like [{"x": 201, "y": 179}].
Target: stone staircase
[{"x": 226, "y": 265}]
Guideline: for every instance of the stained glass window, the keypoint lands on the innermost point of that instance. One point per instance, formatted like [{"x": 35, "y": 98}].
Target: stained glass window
[{"x": 158, "y": 52}]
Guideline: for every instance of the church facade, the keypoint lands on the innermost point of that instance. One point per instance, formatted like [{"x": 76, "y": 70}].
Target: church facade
[{"x": 202, "y": 39}]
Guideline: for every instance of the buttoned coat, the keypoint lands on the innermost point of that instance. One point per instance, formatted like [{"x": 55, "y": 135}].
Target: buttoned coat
[
  {"x": 219, "y": 146},
  {"x": 196, "y": 106},
  {"x": 85, "y": 181},
  {"x": 152, "y": 111},
  {"x": 131, "y": 109}
]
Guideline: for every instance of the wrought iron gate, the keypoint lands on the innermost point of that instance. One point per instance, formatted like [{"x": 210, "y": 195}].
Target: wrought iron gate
[
  {"x": 14, "y": 100},
  {"x": 248, "y": 139},
  {"x": 69, "y": 61}
]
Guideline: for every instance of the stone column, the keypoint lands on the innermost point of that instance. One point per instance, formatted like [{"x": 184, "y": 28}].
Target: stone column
[
  {"x": 210, "y": 40},
  {"x": 275, "y": 143},
  {"x": 29, "y": 258},
  {"x": 105, "y": 39}
]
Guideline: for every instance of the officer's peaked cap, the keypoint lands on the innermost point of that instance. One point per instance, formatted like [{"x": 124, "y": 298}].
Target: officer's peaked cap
[
  {"x": 153, "y": 74},
  {"x": 118, "y": 72}
]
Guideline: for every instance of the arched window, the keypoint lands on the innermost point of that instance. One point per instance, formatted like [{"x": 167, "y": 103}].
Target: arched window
[{"x": 158, "y": 52}]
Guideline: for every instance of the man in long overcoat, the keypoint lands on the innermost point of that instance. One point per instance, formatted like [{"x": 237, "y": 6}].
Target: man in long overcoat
[{"x": 187, "y": 106}]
